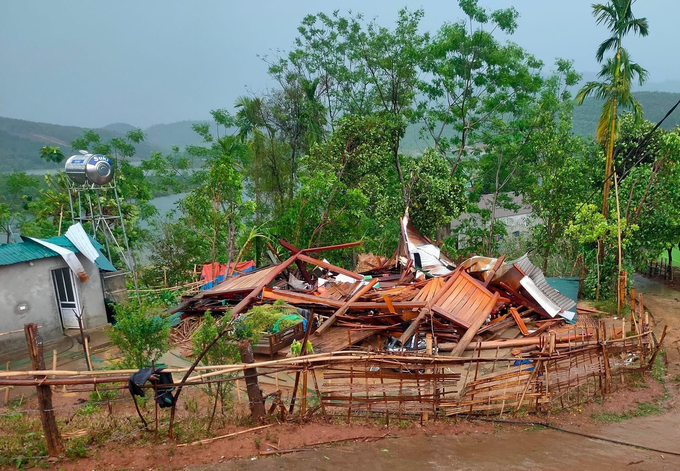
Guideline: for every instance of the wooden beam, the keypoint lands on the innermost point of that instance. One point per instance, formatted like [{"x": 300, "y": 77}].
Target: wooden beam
[
  {"x": 328, "y": 266},
  {"x": 303, "y": 352},
  {"x": 295, "y": 250},
  {"x": 493, "y": 271},
  {"x": 294, "y": 297},
  {"x": 331, "y": 320}
]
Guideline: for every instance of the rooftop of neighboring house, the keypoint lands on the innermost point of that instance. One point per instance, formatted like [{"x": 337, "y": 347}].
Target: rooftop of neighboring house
[
  {"x": 28, "y": 250},
  {"x": 486, "y": 202}
]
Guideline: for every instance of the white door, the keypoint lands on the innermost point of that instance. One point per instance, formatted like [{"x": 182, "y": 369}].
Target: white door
[{"x": 67, "y": 297}]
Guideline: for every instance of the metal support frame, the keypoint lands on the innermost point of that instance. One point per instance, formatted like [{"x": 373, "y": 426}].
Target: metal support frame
[{"x": 101, "y": 223}]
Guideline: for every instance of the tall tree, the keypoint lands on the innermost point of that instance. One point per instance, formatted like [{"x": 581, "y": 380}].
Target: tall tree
[
  {"x": 617, "y": 76},
  {"x": 215, "y": 211},
  {"x": 471, "y": 78},
  {"x": 361, "y": 68},
  {"x": 561, "y": 171}
]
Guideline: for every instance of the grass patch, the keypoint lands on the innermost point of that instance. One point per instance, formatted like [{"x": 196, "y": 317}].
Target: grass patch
[
  {"x": 610, "y": 306},
  {"x": 89, "y": 409},
  {"x": 638, "y": 380},
  {"x": 644, "y": 409},
  {"x": 536, "y": 428},
  {"x": 77, "y": 447},
  {"x": 659, "y": 369},
  {"x": 21, "y": 441}
]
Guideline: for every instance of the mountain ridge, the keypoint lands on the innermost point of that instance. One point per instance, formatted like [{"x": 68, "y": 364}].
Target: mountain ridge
[{"x": 21, "y": 140}]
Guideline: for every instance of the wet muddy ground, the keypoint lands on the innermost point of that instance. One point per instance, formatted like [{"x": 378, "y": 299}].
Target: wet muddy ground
[
  {"x": 524, "y": 447},
  {"x": 450, "y": 445}
]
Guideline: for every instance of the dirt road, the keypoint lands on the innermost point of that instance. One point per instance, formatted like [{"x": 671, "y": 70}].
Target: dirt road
[
  {"x": 664, "y": 305},
  {"x": 508, "y": 450},
  {"x": 515, "y": 448}
]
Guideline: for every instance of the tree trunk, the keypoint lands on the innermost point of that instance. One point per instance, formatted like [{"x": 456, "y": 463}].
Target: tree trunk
[
  {"x": 395, "y": 152},
  {"x": 292, "y": 175},
  {"x": 608, "y": 166},
  {"x": 254, "y": 393},
  {"x": 610, "y": 150},
  {"x": 230, "y": 250},
  {"x": 461, "y": 150}
]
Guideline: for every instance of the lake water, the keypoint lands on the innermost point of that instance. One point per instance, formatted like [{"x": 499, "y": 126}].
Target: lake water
[{"x": 167, "y": 203}]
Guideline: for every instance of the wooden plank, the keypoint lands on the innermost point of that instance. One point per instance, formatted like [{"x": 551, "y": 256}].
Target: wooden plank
[
  {"x": 413, "y": 327},
  {"x": 470, "y": 308},
  {"x": 390, "y": 306},
  {"x": 454, "y": 291},
  {"x": 455, "y": 304},
  {"x": 331, "y": 320},
  {"x": 447, "y": 315},
  {"x": 294, "y": 297},
  {"x": 520, "y": 323},
  {"x": 476, "y": 324}
]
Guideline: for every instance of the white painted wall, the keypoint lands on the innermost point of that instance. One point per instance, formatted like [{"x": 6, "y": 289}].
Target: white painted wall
[{"x": 30, "y": 284}]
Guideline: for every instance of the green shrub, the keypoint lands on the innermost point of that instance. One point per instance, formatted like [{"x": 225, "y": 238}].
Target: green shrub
[
  {"x": 296, "y": 348},
  {"x": 88, "y": 409},
  {"x": 140, "y": 334},
  {"x": 266, "y": 318}
]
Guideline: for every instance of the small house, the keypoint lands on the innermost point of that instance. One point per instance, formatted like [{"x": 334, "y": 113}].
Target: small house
[
  {"x": 55, "y": 283},
  {"x": 517, "y": 219}
]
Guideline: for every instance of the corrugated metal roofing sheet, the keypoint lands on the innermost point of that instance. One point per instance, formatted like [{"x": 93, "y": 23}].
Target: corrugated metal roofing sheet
[
  {"x": 535, "y": 273},
  {"x": 246, "y": 283},
  {"x": 29, "y": 250}
]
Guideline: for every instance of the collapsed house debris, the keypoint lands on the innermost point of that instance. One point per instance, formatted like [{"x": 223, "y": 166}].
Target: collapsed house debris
[
  {"x": 411, "y": 336},
  {"x": 396, "y": 301}
]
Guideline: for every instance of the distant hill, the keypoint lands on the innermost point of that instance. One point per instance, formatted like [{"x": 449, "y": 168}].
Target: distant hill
[
  {"x": 120, "y": 128},
  {"x": 20, "y": 141},
  {"x": 654, "y": 105},
  {"x": 164, "y": 136},
  {"x": 168, "y": 135}
]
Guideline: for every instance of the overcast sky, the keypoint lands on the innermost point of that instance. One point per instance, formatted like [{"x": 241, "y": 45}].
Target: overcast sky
[{"x": 91, "y": 63}]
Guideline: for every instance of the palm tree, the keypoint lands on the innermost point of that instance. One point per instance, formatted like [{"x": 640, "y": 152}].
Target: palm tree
[
  {"x": 619, "y": 74},
  {"x": 249, "y": 115},
  {"x": 618, "y": 17}
]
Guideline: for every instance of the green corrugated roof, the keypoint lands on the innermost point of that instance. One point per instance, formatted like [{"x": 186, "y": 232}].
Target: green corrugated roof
[{"x": 29, "y": 250}]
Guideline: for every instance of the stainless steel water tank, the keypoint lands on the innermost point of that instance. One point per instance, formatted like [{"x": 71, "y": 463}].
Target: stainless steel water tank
[{"x": 88, "y": 168}]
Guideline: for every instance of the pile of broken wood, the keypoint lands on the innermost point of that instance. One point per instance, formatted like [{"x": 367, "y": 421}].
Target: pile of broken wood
[{"x": 398, "y": 300}]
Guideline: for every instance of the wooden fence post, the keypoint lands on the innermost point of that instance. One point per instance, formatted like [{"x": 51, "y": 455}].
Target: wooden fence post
[
  {"x": 49, "y": 424},
  {"x": 253, "y": 388},
  {"x": 428, "y": 371},
  {"x": 8, "y": 387}
]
